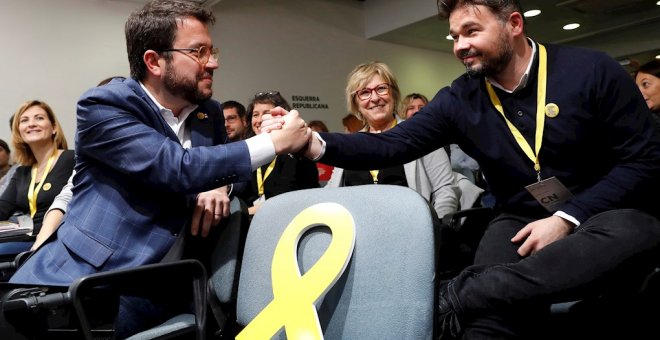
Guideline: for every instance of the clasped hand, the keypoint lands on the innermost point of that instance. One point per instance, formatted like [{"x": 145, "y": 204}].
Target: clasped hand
[{"x": 289, "y": 132}]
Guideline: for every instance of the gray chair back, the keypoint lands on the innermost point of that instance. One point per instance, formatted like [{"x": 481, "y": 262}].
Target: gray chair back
[{"x": 388, "y": 290}]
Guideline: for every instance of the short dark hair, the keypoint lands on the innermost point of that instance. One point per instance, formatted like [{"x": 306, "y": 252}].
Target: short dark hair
[
  {"x": 154, "y": 27},
  {"x": 319, "y": 125},
  {"x": 270, "y": 97},
  {"x": 652, "y": 67},
  {"x": 5, "y": 146},
  {"x": 232, "y": 104},
  {"x": 501, "y": 8}
]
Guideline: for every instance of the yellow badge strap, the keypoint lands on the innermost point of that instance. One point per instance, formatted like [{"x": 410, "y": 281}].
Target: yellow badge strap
[
  {"x": 294, "y": 295},
  {"x": 32, "y": 192},
  {"x": 261, "y": 179},
  {"x": 374, "y": 173},
  {"x": 540, "y": 112}
]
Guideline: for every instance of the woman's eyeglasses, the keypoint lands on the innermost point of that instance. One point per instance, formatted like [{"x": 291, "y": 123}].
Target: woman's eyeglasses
[
  {"x": 264, "y": 94},
  {"x": 365, "y": 93}
]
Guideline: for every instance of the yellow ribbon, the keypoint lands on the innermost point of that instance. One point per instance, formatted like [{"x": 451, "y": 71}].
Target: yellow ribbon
[
  {"x": 262, "y": 179},
  {"x": 374, "y": 173},
  {"x": 540, "y": 112},
  {"x": 294, "y": 295},
  {"x": 32, "y": 192}
]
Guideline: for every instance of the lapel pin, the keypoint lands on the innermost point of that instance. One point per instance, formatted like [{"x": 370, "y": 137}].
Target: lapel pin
[
  {"x": 202, "y": 115},
  {"x": 551, "y": 110}
]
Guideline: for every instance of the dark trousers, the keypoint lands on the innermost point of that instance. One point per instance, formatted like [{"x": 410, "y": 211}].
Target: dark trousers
[{"x": 504, "y": 295}]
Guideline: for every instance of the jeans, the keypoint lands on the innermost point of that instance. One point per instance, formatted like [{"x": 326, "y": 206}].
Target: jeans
[{"x": 504, "y": 295}]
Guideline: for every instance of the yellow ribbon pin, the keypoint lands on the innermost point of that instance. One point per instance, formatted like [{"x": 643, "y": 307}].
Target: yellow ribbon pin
[
  {"x": 294, "y": 295},
  {"x": 551, "y": 110}
]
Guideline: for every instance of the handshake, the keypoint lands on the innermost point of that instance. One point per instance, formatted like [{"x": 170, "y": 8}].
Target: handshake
[{"x": 290, "y": 133}]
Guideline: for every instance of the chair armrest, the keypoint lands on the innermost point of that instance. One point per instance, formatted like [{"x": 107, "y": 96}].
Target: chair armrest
[
  {"x": 8, "y": 268},
  {"x": 140, "y": 281}
]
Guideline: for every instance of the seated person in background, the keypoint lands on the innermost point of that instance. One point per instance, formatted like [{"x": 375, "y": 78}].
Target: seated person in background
[
  {"x": 318, "y": 126},
  {"x": 45, "y": 165},
  {"x": 460, "y": 162},
  {"x": 7, "y": 169},
  {"x": 589, "y": 228},
  {"x": 282, "y": 174},
  {"x": 648, "y": 81},
  {"x": 150, "y": 160},
  {"x": 412, "y": 103},
  {"x": 352, "y": 123},
  {"x": 324, "y": 170},
  {"x": 372, "y": 95},
  {"x": 235, "y": 122}
]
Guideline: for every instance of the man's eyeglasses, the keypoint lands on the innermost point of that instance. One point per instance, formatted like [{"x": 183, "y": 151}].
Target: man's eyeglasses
[
  {"x": 202, "y": 54},
  {"x": 365, "y": 93}
]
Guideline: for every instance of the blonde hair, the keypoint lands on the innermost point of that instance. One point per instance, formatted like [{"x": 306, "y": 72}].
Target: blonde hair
[
  {"x": 361, "y": 75},
  {"x": 22, "y": 152},
  {"x": 409, "y": 98}
]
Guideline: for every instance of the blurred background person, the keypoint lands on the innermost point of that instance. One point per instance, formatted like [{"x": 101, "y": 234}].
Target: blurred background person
[
  {"x": 325, "y": 171},
  {"x": 648, "y": 81},
  {"x": 352, "y": 123},
  {"x": 285, "y": 173},
  {"x": 318, "y": 126},
  {"x": 372, "y": 95},
  {"x": 412, "y": 103},
  {"x": 45, "y": 165},
  {"x": 235, "y": 122},
  {"x": 460, "y": 161},
  {"x": 6, "y": 167}
]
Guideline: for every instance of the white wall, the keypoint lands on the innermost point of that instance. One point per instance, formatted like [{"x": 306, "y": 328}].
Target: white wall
[{"x": 55, "y": 50}]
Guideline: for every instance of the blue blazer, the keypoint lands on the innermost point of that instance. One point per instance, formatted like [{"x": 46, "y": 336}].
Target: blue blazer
[{"x": 134, "y": 185}]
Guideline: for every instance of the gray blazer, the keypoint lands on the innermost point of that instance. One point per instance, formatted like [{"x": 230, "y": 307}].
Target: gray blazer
[{"x": 432, "y": 177}]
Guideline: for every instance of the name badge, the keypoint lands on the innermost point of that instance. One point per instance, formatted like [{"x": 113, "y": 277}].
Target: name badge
[{"x": 550, "y": 193}]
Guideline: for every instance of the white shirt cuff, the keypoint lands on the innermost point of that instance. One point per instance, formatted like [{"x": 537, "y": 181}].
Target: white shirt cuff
[
  {"x": 262, "y": 150},
  {"x": 316, "y": 158},
  {"x": 567, "y": 217}
]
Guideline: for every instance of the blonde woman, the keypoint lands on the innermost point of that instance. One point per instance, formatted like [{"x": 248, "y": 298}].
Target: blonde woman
[
  {"x": 40, "y": 149},
  {"x": 372, "y": 95}
]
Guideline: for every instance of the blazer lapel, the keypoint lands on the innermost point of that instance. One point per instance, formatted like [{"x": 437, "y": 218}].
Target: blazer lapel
[
  {"x": 201, "y": 127},
  {"x": 135, "y": 86}
]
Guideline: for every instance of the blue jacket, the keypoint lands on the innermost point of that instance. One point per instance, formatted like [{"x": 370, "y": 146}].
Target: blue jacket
[{"x": 134, "y": 184}]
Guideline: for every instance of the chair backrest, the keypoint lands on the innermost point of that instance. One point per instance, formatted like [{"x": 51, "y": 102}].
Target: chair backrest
[{"x": 388, "y": 290}]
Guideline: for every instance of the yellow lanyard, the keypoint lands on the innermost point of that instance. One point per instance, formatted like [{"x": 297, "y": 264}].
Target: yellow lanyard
[
  {"x": 261, "y": 180},
  {"x": 540, "y": 113},
  {"x": 374, "y": 173},
  {"x": 32, "y": 192}
]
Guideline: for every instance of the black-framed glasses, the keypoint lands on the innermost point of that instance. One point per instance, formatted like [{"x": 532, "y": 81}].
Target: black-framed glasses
[
  {"x": 267, "y": 93},
  {"x": 380, "y": 89},
  {"x": 202, "y": 53}
]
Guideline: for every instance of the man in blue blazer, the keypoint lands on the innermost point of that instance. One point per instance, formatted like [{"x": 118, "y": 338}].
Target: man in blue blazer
[
  {"x": 570, "y": 152},
  {"x": 150, "y": 154}
]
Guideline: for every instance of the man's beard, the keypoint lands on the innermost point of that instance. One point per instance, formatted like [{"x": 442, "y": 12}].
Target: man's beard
[
  {"x": 186, "y": 87},
  {"x": 490, "y": 66}
]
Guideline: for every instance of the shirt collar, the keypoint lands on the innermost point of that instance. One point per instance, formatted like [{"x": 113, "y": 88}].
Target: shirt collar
[{"x": 524, "y": 78}]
